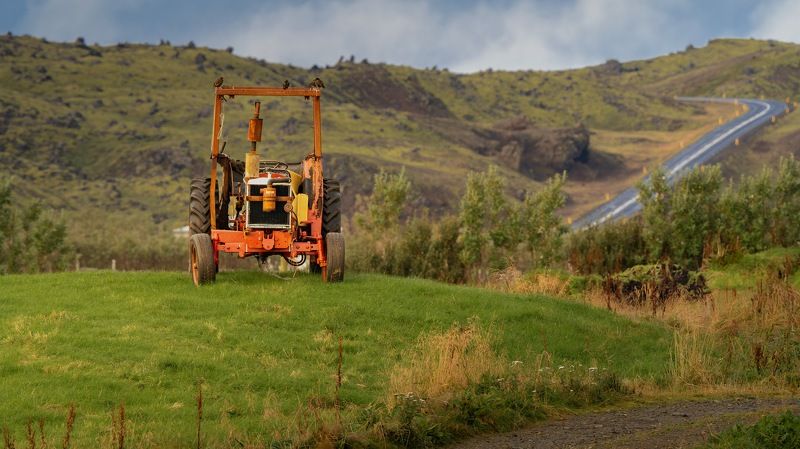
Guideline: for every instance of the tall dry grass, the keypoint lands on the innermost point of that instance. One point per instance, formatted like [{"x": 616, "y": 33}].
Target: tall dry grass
[
  {"x": 691, "y": 359},
  {"x": 540, "y": 283},
  {"x": 441, "y": 363},
  {"x": 730, "y": 337}
]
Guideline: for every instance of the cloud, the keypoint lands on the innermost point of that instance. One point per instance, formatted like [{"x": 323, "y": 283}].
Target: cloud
[
  {"x": 777, "y": 20},
  {"x": 97, "y": 20},
  {"x": 515, "y": 34},
  {"x": 463, "y": 35}
]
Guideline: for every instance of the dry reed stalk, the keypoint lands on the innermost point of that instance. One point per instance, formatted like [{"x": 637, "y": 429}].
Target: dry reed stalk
[
  {"x": 42, "y": 438},
  {"x": 30, "y": 435},
  {"x": 199, "y": 412},
  {"x": 337, "y": 403},
  {"x": 8, "y": 439},
  {"x": 70, "y": 424},
  {"x": 121, "y": 432}
]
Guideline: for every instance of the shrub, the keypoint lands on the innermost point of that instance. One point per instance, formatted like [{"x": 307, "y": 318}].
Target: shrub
[
  {"x": 608, "y": 248},
  {"x": 655, "y": 284},
  {"x": 30, "y": 240}
]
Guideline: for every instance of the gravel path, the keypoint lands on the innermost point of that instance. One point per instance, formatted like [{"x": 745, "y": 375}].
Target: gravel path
[{"x": 678, "y": 425}]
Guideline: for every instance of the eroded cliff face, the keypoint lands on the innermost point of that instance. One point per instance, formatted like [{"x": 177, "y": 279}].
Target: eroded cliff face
[{"x": 535, "y": 152}]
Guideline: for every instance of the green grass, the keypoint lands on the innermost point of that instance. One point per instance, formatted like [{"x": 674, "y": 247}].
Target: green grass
[
  {"x": 770, "y": 432},
  {"x": 261, "y": 346},
  {"x": 744, "y": 272}
]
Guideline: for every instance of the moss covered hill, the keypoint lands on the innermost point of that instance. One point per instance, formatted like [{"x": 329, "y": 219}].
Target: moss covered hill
[{"x": 110, "y": 135}]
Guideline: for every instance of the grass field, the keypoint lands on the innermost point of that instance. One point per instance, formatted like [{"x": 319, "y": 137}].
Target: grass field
[{"x": 260, "y": 346}]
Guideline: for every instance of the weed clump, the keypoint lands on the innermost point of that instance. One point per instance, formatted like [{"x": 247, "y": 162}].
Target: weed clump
[{"x": 655, "y": 284}]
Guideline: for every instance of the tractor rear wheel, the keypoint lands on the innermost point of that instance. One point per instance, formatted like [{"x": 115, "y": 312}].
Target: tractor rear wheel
[
  {"x": 203, "y": 267},
  {"x": 199, "y": 207},
  {"x": 334, "y": 249},
  {"x": 332, "y": 206}
]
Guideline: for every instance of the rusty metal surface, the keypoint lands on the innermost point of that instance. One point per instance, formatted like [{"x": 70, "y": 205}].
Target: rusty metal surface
[{"x": 268, "y": 91}]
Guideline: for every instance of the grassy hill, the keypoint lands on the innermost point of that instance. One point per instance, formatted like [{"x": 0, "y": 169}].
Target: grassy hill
[
  {"x": 110, "y": 135},
  {"x": 263, "y": 347}
]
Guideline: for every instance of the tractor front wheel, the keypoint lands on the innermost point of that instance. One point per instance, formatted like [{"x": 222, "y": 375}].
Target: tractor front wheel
[
  {"x": 203, "y": 268},
  {"x": 334, "y": 249}
]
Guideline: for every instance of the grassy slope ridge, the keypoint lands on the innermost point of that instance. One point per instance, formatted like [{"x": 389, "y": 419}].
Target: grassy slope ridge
[
  {"x": 121, "y": 129},
  {"x": 261, "y": 346}
]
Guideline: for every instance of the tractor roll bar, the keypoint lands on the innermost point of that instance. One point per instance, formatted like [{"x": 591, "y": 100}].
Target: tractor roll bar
[{"x": 219, "y": 94}]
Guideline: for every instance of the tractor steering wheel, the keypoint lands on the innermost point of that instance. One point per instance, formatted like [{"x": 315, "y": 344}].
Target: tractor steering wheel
[{"x": 277, "y": 165}]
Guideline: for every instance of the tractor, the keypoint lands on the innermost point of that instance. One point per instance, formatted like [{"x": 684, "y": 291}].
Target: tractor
[{"x": 265, "y": 207}]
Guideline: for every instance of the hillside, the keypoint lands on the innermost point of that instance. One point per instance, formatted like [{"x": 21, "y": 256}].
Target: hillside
[
  {"x": 110, "y": 135},
  {"x": 149, "y": 339}
]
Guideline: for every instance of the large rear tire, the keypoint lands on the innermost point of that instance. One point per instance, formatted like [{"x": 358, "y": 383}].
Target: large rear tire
[
  {"x": 332, "y": 206},
  {"x": 334, "y": 249},
  {"x": 199, "y": 207},
  {"x": 201, "y": 253}
]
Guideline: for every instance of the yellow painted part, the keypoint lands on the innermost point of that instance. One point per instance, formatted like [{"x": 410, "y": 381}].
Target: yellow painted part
[
  {"x": 251, "y": 165},
  {"x": 297, "y": 179},
  {"x": 300, "y": 207}
]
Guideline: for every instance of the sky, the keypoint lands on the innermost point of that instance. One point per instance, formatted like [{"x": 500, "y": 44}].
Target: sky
[{"x": 463, "y": 36}]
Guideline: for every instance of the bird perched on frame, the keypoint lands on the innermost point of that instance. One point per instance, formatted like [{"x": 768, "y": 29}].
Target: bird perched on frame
[
  {"x": 317, "y": 83},
  {"x": 286, "y": 84},
  {"x": 218, "y": 82}
]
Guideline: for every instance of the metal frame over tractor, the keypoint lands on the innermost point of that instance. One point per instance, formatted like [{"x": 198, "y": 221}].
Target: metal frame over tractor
[{"x": 265, "y": 207}]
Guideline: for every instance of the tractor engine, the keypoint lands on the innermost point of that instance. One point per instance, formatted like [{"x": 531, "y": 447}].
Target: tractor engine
[
  {"x": 273, "y": 199},
  {"x": 269, "y": 200}
]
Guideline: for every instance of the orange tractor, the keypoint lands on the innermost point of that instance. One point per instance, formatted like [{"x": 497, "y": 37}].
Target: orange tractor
[{"x": 265, "y": 207}]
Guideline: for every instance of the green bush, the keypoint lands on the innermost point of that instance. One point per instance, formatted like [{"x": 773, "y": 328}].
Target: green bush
[
  {"x": 700, "y": 218},
  {"x": 30, "y": 240},
  {"x": 608, "y": 248}
]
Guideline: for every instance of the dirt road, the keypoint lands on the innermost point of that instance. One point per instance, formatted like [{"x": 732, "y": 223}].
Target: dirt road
[{"x": 677, "y": 425}]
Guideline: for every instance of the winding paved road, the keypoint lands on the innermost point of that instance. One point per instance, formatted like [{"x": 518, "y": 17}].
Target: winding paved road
[{"x": 758, "y": 114}]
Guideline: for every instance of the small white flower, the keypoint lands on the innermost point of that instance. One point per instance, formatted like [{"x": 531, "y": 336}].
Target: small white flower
[{"x": 561, "y": 367}]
